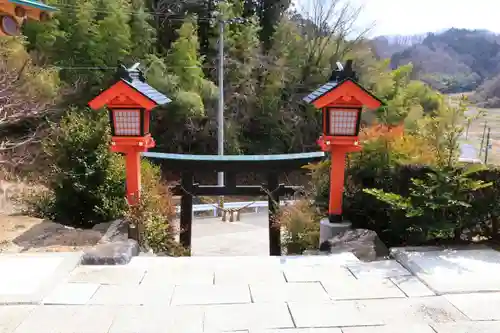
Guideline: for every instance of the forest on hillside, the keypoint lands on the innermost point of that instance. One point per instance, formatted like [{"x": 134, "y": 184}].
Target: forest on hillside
[
  {"x": 407, "y": 183},
  {"x": 453, "y": 61},
  {"x": 272, "y": 60}
]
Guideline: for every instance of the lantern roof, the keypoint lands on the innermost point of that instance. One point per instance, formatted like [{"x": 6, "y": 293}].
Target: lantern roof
[
  {"x": 130, "y": 83},
  {"x": 135, "y": 79},
  {"x": 343, "y": 80},
  {"x": 34, "y": 4}
]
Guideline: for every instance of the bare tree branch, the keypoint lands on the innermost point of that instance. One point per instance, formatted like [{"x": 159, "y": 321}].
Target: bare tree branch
[
  {"x": 333, "y": 21},
  {"x": 22, "y": 116}
]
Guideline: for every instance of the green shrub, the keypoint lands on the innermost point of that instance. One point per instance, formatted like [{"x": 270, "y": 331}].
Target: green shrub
[
  {"x": 86, "y": 179},
  {"x": 300, "y": 226},
  {"x": 439, "y": 204},
  {"x": 453, "y": 204},
  {"x": 154, "y": 214}
]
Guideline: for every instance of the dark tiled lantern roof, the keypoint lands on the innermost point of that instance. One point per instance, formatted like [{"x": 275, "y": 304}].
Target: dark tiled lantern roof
[{"x": 134, "y": 78}]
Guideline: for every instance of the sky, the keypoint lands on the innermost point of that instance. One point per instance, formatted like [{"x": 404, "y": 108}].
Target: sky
[{"x": 408, "y": 17}]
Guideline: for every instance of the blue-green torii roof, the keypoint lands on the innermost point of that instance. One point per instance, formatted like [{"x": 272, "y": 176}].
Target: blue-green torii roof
[{"x": 34, "y": 3}]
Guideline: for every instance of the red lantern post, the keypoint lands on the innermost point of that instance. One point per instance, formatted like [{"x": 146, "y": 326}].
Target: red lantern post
[
  {"x": 130, "y": 101},
  {"x": 342, "y": 101}
]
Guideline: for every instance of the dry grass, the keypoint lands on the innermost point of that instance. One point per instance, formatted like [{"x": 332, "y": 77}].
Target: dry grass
[
  {"x": 20, "y": 233},
  {"x": 492, "y": 119}
]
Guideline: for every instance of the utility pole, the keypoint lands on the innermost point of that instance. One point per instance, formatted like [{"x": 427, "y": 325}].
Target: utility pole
[
  {"x": 487, "y": 146},
  {"x": 482, "y": 139},
  {"x": 220, "y": 110}
]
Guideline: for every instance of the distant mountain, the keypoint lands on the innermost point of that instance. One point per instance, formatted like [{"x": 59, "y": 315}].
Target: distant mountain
[{"x": 455, "y": 60}]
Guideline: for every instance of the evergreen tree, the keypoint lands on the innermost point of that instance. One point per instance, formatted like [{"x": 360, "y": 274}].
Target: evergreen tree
[{"x": 143, "y": 34}]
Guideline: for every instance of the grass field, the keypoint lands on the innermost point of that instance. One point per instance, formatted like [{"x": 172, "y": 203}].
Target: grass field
[
  {"x": 491, "y": 118},
  {"x": 475, "y": 134}
]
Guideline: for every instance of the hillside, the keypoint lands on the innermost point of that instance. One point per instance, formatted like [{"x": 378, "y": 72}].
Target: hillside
[{"x": 452, "y": 61}]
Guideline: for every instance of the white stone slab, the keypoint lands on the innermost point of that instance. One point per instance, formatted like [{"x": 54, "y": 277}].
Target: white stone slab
[
  {"x": 318, "y": 273},
  {"x": 153, "y": 319},
  {"x": 468, "y": 327},
  {"x": 412, "y": 286},
  {"x": 11, "y": 316},
  {"x": 378, "y": 269},
  {"x": 415, "y": 310},
  {"x": 160, "y": 295},
  {"x": 362, "y": 289},
  {"x": 178, "y": 276},
  {"x": 203, "y": 263},
  {"x": 249, "y": 274},
  {"x": 480, "y": 306},
  {"x": 214, "y": 294},
  {"x": 71, "y": 293},
  {"x": 25, "y": 274},
  {"x": 247, "y": 317},
  {"x": 29, "y": 277},
  {"x": 454, "y": 271},
  {"x": 68, "y": 319},
  {"x": 403, "y": 328},
  {"x": 331, "y": 314},
  {"x": 302, "y": 330},
  {"x": 113, "y": 275},
  {"x": 338, "y": 259},
  {"x": 289, "y": 292}
]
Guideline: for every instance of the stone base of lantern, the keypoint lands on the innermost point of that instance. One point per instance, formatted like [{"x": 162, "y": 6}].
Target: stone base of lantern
[{"x": 328, "y": 230}]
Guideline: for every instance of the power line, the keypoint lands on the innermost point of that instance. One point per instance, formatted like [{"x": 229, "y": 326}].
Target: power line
[{"x": 155, "y": 14}]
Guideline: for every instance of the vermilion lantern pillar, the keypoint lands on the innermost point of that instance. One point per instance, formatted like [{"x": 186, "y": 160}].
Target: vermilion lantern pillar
[
  {"x": 341, "y": 101},
  {"x": 130, "y": 101}
]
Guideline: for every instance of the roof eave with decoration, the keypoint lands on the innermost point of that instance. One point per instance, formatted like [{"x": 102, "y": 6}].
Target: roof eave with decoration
[
  {"x": 339, "y": 78},
  {"x": 132, "y": 80},
  {"x": 34, "y": 4}
]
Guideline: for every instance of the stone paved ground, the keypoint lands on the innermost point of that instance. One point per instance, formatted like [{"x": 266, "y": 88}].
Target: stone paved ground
[
  {"x": 323, "y": 294},
  {"x": 247, "y": 237}
]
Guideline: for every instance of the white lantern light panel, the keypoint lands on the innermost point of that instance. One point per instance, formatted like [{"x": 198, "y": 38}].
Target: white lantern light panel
[
  {"x": 343, "y": 122},
  {"x": 127, "y": 122}
]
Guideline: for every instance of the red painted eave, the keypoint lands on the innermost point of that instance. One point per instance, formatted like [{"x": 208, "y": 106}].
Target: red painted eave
[
  {"x": 348, "y": 90},
  {"x": 121, "y": 88}
]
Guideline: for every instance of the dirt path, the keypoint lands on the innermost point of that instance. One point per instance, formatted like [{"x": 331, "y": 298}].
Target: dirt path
[{"x": 27, "y": 234}]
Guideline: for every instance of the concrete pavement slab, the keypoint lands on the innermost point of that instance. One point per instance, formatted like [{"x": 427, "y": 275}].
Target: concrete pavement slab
[
  {"x": 160, "y": 295},
  {"x": 468, "y": 327},
  {"x": 331, "y": 314},
  {"x": 27, "y": 278},
  {"x": 211, "y": 294},
  {"x": 249, "y": 274},
  {"x": 403, "y": 328},
  {"x": 302, "y": 330},
  {"x": 479, "y": 306},
  {"x": 247, "y": 316},
  {"x": 113, "y": 275},
  {"x": 11, "y": 316},
  {"x": 288, "y": 292},
  {"x": 362, "y": 289},
  {"x": 153, "y": 319},
  {"x": 415, "y": 310},
  {"x": 378, "y": 269},
  {"x": 71, "y": 293},
  {"x": 178, "y": 276},
  {"x": 453, "y": 271},
  {"x": 68, "y": 319},
  {"x": 412, "y": 286},
  {"x": 318, "y": 273}
]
